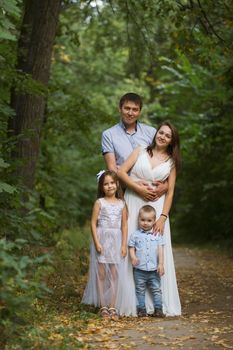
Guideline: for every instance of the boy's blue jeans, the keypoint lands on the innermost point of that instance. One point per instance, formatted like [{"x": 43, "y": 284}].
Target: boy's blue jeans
[{"x": 150, "y": 279}]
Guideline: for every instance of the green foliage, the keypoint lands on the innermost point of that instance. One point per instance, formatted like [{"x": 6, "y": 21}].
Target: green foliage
[
  {"x": 172, "y": 55},
  {"x": 87, "y": 81},
  {"x": 71, "y": 243},
  {"x": 17, "y": 288},
  {"x": 203, "y": 98},
  {"x": 59, "y": 314},
  {"x": 5, "y": 187},
  {"x": 9, "y": 19},
  {"x": 9, "y": 11},
  {"x": 178, "y": 56},
  {"x": 183, "y": 51}
]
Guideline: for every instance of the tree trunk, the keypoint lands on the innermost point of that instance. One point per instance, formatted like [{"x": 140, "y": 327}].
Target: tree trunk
[{"x": 34, "y": 57}]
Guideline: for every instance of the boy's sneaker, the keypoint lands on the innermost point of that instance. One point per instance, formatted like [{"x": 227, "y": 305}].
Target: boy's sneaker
[
  {"x": 158, "y": 313},
  {"x": 142, "y": 313}
]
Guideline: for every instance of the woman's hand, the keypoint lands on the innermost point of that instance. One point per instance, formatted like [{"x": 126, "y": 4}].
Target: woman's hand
[
  {"x": 98, "y": 247},
  {"x": 159, "y": 226},
  {"x": 146, "y": 192},
  {"x": 151, "y": 192},
  {"x": 161, "y": 270}
]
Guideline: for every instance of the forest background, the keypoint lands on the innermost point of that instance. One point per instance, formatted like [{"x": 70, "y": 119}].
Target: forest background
[{"x": 64, "y": 66}]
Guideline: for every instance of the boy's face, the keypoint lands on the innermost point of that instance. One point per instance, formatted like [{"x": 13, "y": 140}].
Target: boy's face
[{"x": 146, "y": 221}]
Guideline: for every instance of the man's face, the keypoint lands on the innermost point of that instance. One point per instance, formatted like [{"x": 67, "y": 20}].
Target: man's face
[
  {"x": 130, "y": 112},
  {"x": 146, "y": 221}
]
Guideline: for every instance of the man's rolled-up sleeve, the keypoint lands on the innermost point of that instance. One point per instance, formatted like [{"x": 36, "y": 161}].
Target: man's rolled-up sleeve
[{"x": 106, "y": 143}]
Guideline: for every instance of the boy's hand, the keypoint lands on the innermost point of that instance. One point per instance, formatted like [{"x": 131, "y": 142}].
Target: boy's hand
[
  {"x": 135, "y": 261},
  {"x": 161, "y": 270}
]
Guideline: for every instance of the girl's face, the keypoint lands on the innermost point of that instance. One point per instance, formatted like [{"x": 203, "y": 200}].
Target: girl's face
[
  {"x": 109, "y": 186},
  {"x": 164, "y": 137}
]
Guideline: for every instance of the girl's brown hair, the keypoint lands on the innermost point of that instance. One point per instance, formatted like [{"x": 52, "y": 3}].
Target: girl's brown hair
[
  {"x": 174, "y": 147},
  {"x": 100, "y": 190}
]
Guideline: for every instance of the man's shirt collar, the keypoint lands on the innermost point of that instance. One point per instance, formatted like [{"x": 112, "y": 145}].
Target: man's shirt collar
[{"x": 124, "y": 128}]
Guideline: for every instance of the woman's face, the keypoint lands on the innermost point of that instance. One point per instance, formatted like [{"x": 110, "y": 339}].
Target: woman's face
[{"x": 163, "y": 137}]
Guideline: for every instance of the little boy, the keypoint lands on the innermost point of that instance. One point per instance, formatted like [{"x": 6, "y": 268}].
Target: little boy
[{"x": 147, "y": 255}]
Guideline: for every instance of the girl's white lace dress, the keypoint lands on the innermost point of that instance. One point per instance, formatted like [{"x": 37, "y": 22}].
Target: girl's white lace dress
[
  {"x": 126, "y": 299},
  {"x": 104, "y": 268}
]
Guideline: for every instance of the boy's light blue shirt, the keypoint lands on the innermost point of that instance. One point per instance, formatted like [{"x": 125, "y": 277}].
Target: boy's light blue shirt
[
  {"x": 118, "y": 141},
  {"x": 146, "y": 246}
]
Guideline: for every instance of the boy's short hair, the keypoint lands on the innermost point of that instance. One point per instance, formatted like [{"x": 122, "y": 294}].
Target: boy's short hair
[
  {"x": 147, "y": 209},
  {"x": 132, "y": 97}
]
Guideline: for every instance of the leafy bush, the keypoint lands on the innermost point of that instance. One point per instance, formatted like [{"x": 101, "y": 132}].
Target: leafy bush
[{"x": 18, "y": 284}]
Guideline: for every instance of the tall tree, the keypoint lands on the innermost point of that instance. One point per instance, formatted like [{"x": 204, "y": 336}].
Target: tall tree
[{"x": 34, "y": 58}]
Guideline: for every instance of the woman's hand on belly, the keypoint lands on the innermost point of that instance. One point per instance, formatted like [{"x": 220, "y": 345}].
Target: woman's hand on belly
[{"x": 146, "y": 191}]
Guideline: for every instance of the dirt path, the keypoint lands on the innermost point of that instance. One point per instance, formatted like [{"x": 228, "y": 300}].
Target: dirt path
[{"x": 206, "y": 288}]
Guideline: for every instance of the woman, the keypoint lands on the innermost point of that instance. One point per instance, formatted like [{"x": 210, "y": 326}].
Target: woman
[{"x": 158, "y": 162}]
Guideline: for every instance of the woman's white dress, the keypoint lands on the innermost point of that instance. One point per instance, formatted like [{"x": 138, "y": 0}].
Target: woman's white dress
[{"x": 126, "y": 298}]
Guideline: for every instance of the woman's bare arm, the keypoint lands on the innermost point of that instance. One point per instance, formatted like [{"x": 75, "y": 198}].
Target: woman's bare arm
[
  {"x": 142, "y": 190},
  {"x": 167, "y": 202},
  {"x": 161, "y": 261}
]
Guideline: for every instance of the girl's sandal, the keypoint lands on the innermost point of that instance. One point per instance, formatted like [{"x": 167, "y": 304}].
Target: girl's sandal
[
  {"x": 104, "y": 312},
  {"x": 113, "y": 313}
]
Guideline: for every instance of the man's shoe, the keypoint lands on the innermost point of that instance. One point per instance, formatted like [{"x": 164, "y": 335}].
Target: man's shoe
[{"x": 142, "y": 313}]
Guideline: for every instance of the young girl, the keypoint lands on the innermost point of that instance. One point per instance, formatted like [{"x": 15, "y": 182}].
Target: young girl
[{"x": 109, "y": 245}]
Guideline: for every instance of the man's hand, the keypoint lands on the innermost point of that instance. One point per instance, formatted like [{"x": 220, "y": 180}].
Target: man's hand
[
  {"x": 161, "y": 188},
  {"x": 142, "y": 183}
]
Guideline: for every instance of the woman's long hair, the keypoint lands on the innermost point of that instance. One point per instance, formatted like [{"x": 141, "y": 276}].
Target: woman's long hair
[
  {"x": 100, "y": 190},
  {"x": 173, "y": 149}
]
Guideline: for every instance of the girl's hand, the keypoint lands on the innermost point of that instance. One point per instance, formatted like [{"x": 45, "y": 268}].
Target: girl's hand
[
  {"x": 159, "y": 226},
  {"x": 98, "y": 248},
  {"x": 123, "y": 251},
  {"x": 161, "y": 270}
]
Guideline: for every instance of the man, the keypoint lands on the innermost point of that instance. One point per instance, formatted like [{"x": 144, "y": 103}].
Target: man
[{"x": 119, "y": 141}]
